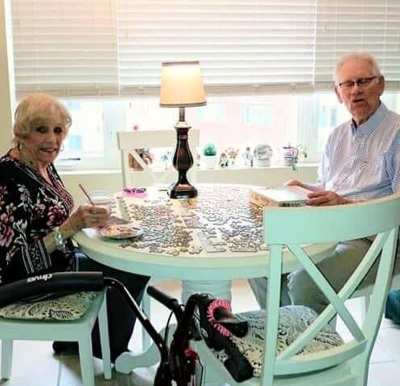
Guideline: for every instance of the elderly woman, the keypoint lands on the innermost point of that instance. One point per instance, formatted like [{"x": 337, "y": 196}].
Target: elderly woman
[{"x": 36, "y": 218}]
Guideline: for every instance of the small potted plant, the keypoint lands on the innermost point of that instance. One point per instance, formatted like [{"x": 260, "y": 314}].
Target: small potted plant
[{"x": 209, "y": 155}]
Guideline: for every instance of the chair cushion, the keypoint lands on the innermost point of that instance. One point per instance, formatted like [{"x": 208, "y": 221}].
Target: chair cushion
[
  {"x": 69, "y": 307},
  {"x": 293, "y": 320}
]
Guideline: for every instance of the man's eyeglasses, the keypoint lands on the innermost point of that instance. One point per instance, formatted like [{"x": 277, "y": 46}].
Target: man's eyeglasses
[{"x": 362, "y": 82}]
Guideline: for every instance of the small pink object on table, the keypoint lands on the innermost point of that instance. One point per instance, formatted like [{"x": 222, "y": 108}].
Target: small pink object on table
[{"x": 135, "y": 192}]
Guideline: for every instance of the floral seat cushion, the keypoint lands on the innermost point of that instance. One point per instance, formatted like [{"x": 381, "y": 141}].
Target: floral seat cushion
[
  {"x": 293, "y": 320},
  {"x": 69, "y": 307}
]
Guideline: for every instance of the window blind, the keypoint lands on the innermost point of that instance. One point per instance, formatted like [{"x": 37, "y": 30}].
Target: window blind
[
  {"x": 242, "y": 44},
  {"x": 65, "y": 47},
  {"x": 357, "y": 25},
  {"x": 110, "y": 47}
]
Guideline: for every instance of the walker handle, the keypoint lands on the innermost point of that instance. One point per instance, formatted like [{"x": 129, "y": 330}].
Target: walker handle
[
  {"x": 171, "y": 303},
  {"x": 49, "y": 283}
]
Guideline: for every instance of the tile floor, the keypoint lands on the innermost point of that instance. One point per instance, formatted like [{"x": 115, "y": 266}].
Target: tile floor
[{"x": 35, "y": 365}]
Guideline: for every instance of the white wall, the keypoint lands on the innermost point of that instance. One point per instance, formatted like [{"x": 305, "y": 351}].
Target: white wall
[{"x": 6, "y": 78}]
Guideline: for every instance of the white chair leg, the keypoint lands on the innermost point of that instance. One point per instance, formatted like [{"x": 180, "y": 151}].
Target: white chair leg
[
  {"x": 86, "y": 360},
  {"x": 364, "y": 307},
  {"x": 105, "y": 340},
  {"x": 6, "y": 358},
  {"x": 146, "y": 306}
]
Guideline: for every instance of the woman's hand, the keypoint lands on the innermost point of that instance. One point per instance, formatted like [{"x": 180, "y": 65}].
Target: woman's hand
[{"x": 85, "y": 216}]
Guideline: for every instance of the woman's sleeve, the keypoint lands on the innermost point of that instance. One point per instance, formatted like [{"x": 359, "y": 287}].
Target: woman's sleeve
[{"x": 21, "y": 254}]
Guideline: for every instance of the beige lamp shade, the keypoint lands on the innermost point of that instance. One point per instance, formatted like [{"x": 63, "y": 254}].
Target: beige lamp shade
[{"x": 181, "y": 85}]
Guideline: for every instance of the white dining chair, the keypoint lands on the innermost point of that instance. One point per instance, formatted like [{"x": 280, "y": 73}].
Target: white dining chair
[
  {"x": 313, "y": 353},
  {"x": 129, "y": 144},
  {"x": 70, "y": 318}
]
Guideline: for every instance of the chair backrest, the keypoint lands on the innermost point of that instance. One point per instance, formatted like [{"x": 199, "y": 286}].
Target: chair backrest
[
  {"x": 295, "y": 227},
  {"x": 129, "y": 143}
]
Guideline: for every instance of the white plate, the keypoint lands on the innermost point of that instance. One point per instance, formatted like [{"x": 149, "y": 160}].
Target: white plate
[{"x": 120, "y": 231}]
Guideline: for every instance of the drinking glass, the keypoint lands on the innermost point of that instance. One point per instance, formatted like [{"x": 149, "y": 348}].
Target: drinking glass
[{"x": 101, "y": 198}]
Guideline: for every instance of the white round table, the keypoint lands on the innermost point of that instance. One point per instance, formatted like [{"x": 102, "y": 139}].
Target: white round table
[{"x": 205, "y": 242}]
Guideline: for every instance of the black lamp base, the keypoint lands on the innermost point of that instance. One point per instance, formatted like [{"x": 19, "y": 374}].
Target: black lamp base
[
  {"x": 182, "y": 161},
  {"x": 182, "y": 191}
]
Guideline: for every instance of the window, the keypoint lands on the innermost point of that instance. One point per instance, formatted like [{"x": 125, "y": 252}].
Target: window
[
  {"x": 267, "y": 65},
  {"x": 86, "y": 132},
  {"x": 258, "y": 114},
  {"x": 299, "y": 119},
  {"x": 214, "y": 113},
  {"x": 91, "y": 142}
]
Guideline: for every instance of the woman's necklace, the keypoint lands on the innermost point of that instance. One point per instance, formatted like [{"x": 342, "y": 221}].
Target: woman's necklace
[{"x": 27, "y": 160}]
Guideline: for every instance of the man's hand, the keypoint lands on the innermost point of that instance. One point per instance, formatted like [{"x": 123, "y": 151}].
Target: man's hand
[
  {"x": 312, "y": 187},
  {"x": 325, "y": 197},
  {"x": 293, "y": 183}
]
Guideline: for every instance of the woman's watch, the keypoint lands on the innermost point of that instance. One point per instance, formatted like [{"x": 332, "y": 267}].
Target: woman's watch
[{"x": 58, "y": 239}]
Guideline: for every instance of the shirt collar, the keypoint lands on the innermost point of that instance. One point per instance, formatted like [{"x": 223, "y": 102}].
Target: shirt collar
[{"x": 373, "y": 121}]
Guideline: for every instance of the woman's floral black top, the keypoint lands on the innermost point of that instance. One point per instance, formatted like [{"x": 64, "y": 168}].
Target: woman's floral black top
[{"x": 30, "y": 208}]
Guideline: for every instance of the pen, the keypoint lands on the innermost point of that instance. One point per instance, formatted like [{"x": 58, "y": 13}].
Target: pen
[{"x": 86, "y": 194}]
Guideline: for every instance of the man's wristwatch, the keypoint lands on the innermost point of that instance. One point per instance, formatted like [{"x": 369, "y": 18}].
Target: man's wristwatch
[{"x": 58, "y": 239}]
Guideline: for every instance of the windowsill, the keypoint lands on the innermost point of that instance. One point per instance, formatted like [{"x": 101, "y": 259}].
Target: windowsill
[
  {"x": 77, "y": 172},
  {"x": 201, "y": 170},
  {"x": 272, "y": 167}
]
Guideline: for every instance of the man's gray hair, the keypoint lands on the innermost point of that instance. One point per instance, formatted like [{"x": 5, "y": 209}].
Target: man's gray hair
[{"x": 360, "y": 56}]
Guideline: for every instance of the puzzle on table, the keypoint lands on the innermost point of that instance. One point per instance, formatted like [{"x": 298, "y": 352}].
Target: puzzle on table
[{"x": 220, "y": 219}]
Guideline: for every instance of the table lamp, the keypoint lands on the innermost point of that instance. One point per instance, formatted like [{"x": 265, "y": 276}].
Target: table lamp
[{"x": 182, "y": 86}]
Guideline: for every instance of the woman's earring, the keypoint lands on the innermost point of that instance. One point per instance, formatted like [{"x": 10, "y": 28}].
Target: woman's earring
[{"x": 62, "y": 148}]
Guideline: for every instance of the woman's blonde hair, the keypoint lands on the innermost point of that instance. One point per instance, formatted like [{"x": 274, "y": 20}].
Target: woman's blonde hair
[{"x": 38, "y": 109}]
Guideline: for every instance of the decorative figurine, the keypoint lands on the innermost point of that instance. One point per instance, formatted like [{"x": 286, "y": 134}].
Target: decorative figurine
[
  {"x": 166, "y": 159},
  {"x": 231, "y": 154},
  {"x": 247, "y": 157},
  {"x": 145, "y": 155},
  {"x": 262, "y": 155},
  {"x": 223, "y": 160},
  {"x": 291, "y": 155}
]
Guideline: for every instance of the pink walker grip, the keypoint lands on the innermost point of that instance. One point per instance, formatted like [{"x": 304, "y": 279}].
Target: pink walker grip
[
  {"x": 135, "y": 192},
  {"x": 218, "y": 303}
]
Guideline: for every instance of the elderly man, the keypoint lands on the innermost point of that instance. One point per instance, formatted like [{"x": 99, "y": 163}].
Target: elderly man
[{"x": 361, "y": 161}]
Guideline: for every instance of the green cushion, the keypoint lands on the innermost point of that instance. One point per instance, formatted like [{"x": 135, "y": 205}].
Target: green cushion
[
  {"x": 293, "y": 320},
  {"x": 69, "y": 307}
]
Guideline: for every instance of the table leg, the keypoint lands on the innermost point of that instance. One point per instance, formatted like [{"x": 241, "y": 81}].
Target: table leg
[
  {"x": 219, "y": 289},
  {"x": 129, "y": 361}
]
